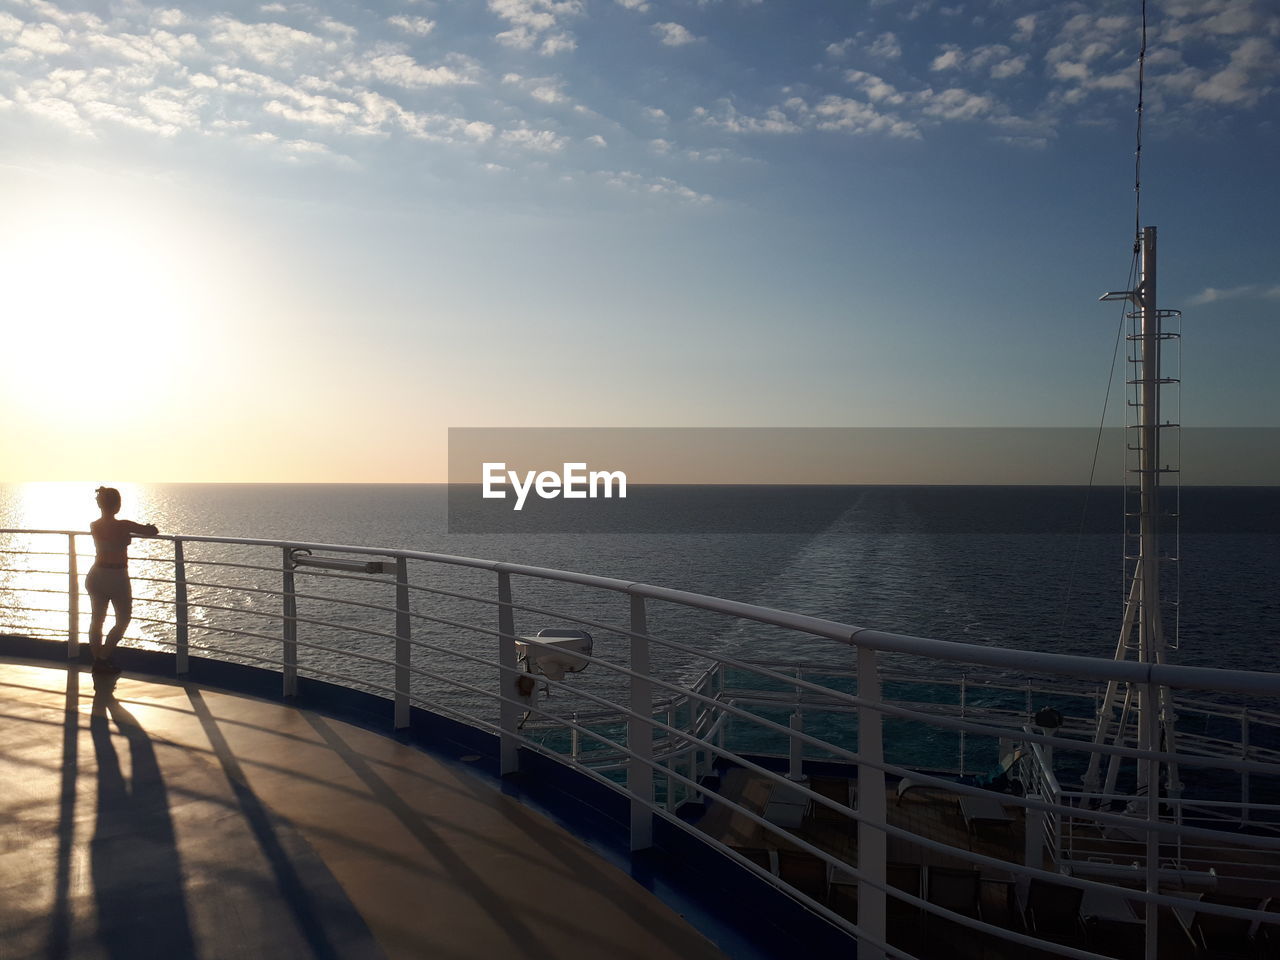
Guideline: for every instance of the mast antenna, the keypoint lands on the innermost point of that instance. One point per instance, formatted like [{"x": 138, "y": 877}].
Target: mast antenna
[{"x": 1137, "y": 151}]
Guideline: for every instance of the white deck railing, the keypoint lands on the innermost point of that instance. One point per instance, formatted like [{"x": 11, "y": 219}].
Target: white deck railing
[{"x": 659, "y": 710}]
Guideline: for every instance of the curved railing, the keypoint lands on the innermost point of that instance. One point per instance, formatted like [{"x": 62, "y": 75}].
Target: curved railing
[{"x": 678, "y": 727}]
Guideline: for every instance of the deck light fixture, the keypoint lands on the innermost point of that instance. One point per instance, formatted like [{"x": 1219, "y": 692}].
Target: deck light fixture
[{"x": 303, "y": 558}]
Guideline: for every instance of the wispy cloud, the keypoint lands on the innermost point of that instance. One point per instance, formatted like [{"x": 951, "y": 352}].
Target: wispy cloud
[
  {"x": 538, "y": 24},
  {"x": 1248, "y": 76},
  {"x": 673, "y": 34},
  {"x": 663, "y": 187},
  {"x": 541, "y": 141},
  {"x": 269, "y": 43},
  {"x": 796, "y": 115},
  {"x": 885, "y": 47},
  {"x": 840, "y": 47},
  {"x": 1249, "y": 291},
  {"x": 417, "y": 26},
  {"x": 302, "y": 94},
  {"x": 543, "y": 89}
]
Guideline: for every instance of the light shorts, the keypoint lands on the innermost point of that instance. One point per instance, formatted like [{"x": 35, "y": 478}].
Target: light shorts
[{"x": 106, "y": 584}]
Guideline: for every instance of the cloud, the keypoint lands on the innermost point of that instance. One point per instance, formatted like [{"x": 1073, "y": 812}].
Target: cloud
[
  {"x": 417, "y": 26},
  {"x": 1024, "y": 28},
  {"x": 402, "y": 70},
  {"x": 293, "y": 93},
  {"x": 855, "y": 116},
  {"x": 1067, "y": 70},
  {"x": 728, "y": 118},
  {"x": 543, "y": 89},
  {"x": 995, "y": 59},
  {"x": 42, "y": 38},
  {"x": 537, "y": 23},
  {"x": 1029, "y": 143},
  {"x": 876, "y": 89},
  {"x": 1009, "y": 68},
  {"x": 1249, "y": 291},
  {"x": 885, "y": 47},
  {"x": 831, "y": 113},
  {"x": 539, "y": 141},
  {"x": 950, "y": 58},
  {"x": 1246, "y": 78},
  {"x": 640, "y": 6},
  {"x": 956, "y": 104},
  {"x": 558, "y": 43},
  {"x": 663, "y": 187},
  {"x": 336, "y": 26},
  {"x": 596, "y": 140},
  {"x": 269, "y": 43},
  {"x": 673, "y": 35},
  {"x": 840, "y": 48}
]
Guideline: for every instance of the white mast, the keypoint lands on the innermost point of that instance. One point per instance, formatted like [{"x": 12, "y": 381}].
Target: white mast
[{"x": 1154, "y": 716}]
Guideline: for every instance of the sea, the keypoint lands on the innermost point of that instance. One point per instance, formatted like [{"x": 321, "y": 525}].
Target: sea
[{"x": 1031, "y": 567}]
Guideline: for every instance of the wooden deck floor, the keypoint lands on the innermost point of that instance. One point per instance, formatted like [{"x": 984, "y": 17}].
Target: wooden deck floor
[{"x": 166, "y": 820}]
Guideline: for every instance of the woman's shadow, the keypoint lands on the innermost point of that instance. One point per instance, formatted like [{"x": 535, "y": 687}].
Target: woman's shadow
[{"x": 134, "y": 861}]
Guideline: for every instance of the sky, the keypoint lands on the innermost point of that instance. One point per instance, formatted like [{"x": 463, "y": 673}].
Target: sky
[{"x": 294, "y": 241}]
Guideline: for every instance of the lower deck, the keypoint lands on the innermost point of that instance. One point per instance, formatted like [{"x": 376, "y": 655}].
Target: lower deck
[{"x": 1105, "y": 923}]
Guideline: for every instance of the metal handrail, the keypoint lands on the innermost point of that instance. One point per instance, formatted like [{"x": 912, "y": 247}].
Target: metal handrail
[{"x": 1170, "y": 675}]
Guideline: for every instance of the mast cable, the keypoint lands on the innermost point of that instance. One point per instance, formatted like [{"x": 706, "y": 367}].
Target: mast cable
[{"x": 1093, "y": 466}]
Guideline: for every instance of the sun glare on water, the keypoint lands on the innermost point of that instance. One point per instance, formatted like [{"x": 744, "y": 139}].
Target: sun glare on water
[{"x": 56, "y": 505}]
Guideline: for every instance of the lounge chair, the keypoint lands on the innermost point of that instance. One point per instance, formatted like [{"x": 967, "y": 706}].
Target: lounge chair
[
  {"x": 1053, "y": 912},
  {"x": 957, "y": 891},
  {"x": 805, "y": 872},
  {"x": 1227, "y": 938}
]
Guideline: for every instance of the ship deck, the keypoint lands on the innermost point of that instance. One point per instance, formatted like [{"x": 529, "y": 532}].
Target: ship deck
[{"x": 202, "y": 823}]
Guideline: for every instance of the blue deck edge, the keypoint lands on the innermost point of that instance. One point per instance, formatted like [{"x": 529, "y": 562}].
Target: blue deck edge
[{"x": 746, "y": 917}]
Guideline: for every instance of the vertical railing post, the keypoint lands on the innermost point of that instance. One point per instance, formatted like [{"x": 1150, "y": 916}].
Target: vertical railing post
[
  {"x": 290, "y": 630},
  {"x": 795, "y": 769},
  {"x": 1032, "y": 847},
  {"x": 695, "y": 755},
  {"x": 402, "y": 644},
  {"x": 1151, "y": 719},
  {"x": 508, "y": 706},
  {"x": 963, "y": 692},
  {"x": 872, "y": 807},
  {"x": 673, "y": 744},
  {"x": 1244, "y": 774},
  {"x": 181, "y": 611},
  {"x": 795, "y": 752},
  {"x": 640, "y": 731},
  {"x": 73, "y": 600},
  {"x": 719, "y": 718}
]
